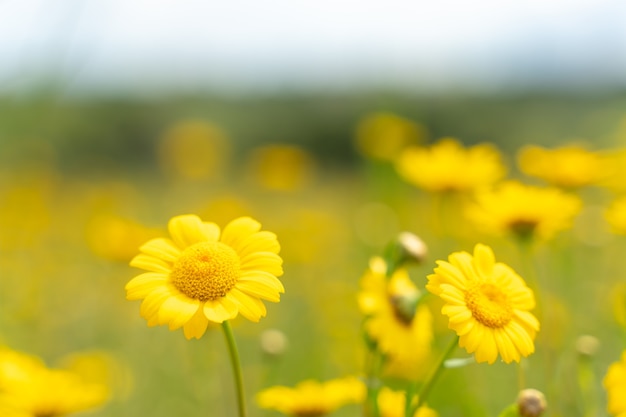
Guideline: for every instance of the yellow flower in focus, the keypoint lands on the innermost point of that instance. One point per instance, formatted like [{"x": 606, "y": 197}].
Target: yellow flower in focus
[
  {"x": 488, "y": 305},
  {"x": 400, "y": 330},
  {"x": 203, "y": 274},
  {"x": 568, "y": 166},
  {"x": 194, "y": 150},
  {"x": 29, "y": 389},
  {"x": 523, "y": 210},
  {"x": 448, "y": 166},
  {"x": 615, "y": 215},
  {"x": 615, "y": 384},
  {"x": 312, "y": 398},
  {"x": 391, "y": 404},
  {"x": 384, "y": 135},
  {"x": 282, "y": 167}
]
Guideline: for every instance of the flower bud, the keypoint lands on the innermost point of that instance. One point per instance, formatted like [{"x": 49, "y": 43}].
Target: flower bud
[
  {"x": 273, "y": 342},
  {"x": 531, "y": 403},
  {"x": 587, "y": 345}
]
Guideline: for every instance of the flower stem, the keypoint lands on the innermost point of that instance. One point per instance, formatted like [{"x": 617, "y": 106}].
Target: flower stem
[
  {"x": 432, "y": 378},
  {"x": 236, "y": 365},
  {"x": 373, "y": 383}
]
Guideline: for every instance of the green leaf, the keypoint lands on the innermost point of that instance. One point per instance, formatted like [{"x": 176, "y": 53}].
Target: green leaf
[{"x": 511, "y": 411}]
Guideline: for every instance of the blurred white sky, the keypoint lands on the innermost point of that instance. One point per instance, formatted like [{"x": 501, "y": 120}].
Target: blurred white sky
[{"x": 246, "y": 45}]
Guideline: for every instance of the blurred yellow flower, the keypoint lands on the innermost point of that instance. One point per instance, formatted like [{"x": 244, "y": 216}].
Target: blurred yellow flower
[
  {"x": 29, "y": 389},
  {"x": 115, "y": 238},
  {"x": 615, "y": 384},
  {"x": 281, "y": 167},
  {"x": 194, "y": 150},
  {"x": 615, "y": 215},
  {"x": 448, "y": 166},
  {"x": 384, "y": 135},
  {"x": 202, "y": 275},
  {"x": 615, "y": 165},
  {"x": 523, "y": 210},
  {"x": 487, "y": 305},
  {"x": 312, "y": 398},
  {"x": 391, "y": 404},
  {"x": 568, "y": 166},
  {"x": 400, "y": 328}
]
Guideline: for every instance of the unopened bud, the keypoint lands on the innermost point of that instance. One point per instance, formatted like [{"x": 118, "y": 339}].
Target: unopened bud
[
  {"x": 412, "y": 248},
  {"x": 587, "y": 345},
  {"x": 531, "y": 403},
  {"x": 273, "y": 342}
]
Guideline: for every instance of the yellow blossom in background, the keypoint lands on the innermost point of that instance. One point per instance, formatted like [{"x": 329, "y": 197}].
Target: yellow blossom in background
[
  {"x": 115, "y": 238},
  {"x": 204, "y": 274},
  {"x": 312, "y": 398},
  {"x": 392, "y": 403},
  {"x": 281, "y": 167},
  {"x": 29, "y": 389},
  {"x": 400, "y": 329},
  {"x": 384, "y": 135},
  {"x": 615, "y": 215},
  {"x": 488, "y": 305},
  {"x": 449, "y": 166},
  {"x": 615, "y": 384},
  {"x": 615, "y": 163},
  {"x": 568, "y": 166},
  {"x": 194, "y": 150},
  {"x": 523, "y": 210}
]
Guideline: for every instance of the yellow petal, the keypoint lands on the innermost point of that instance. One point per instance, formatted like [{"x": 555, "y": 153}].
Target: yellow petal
[
  {"x": 521, "y": 338},
  {"x": 263, "y": 261},
  {"x": 196, "y": 326},
  {"x": 507, "y": 349},
  {"x": 177, "y": 310},
  {"x": 487, "y": 350},
  {"x": 262, "y": 241},
  {"x": 219, "y": 310},
  {"x": 142, "y": 285},
  {"x": 150, "y": 263},
  {"x": 263, "y": 277},
  {"x": 151, "y": 304},
  {"x": 188, "y": 229},
  {"x": 250, "y": 307},
  {"x": 484, "y": 259},
  {"x": 161, "y": 248},
  {"x": 238, "y": 230},
  {"x": 259, "y": 290}
]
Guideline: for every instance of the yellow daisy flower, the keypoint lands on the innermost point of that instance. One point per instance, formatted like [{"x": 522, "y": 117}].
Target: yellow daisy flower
[
  {"x": 615, "y": 215},
  {"x": 568, "y": 166},
  {"x": 399, "y": 329},
  {"x": 312, "y": 398},
  {"x": 523, "y": 210},
  {"x": 202, "y": 275},
  {"x": 29, "y": 389},
  {"x": 391, "y": 404},
  {"x": 448, "y": 166},
  {"x": 615, "y": 384},
  {"x": 488, "y": 305},
  {"x": 383, "y": 135}
]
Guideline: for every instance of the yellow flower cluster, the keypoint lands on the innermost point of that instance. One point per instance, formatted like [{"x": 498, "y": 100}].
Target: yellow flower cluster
[{"x": 30, "y": 389}]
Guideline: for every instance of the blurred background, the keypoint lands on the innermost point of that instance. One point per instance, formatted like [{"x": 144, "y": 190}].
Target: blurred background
[{"x": 117, "y": 115}]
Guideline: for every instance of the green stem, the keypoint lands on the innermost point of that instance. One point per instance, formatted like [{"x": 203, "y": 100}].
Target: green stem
[
  {"x": 373, "y": 383},
  {"x": 236, "y": 364},
  {"x": 432, "y": 378}
]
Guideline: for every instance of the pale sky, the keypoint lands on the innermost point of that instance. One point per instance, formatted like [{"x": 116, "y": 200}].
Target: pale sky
[{"x": 268, "y": 44}]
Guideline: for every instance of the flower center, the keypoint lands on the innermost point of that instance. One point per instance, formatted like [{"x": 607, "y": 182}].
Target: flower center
[
  {"x": 523, "y": 228},
  {"x": 489, "y": 305},
  {"x": 206, "y": 271}
]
